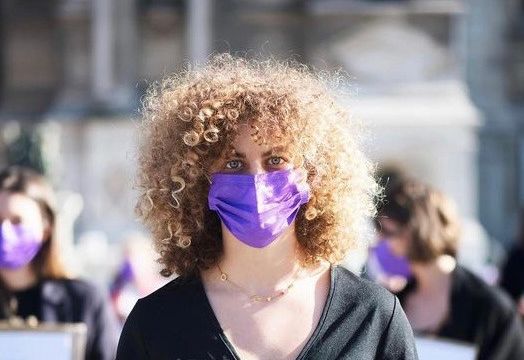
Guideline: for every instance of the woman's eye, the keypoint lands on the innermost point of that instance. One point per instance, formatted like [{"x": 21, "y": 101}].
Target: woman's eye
[
  {"x": 276, "y": 160},
  {"x": 234, "y": 164}
]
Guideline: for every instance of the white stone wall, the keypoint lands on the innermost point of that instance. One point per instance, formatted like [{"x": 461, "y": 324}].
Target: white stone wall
[{"x": 99, "y": 163}]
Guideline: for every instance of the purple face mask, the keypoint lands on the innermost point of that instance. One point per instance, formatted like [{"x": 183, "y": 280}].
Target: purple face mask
[
  {"x": 257, "y": 208},
  {"x": 19, "y": 244},
  {"x": 390, "y": 263}
]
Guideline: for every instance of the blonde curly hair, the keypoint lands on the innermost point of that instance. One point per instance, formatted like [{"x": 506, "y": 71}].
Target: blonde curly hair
[{"x": 190, "y": 121}]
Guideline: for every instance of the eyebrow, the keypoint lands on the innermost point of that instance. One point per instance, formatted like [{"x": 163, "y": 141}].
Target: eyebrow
[
  {"x": 238, "y": 154},
  {"x": 272, "y": 151},
  {"x": 276, "y": 149}
]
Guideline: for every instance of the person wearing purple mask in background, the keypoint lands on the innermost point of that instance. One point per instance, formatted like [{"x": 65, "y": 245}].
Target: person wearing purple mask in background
[
  {"x": 386, "y": 268},
  {"x": 33, "y": 281},
  {"x": 254, "y": 188},
  {"x": 441, "y": 298}
]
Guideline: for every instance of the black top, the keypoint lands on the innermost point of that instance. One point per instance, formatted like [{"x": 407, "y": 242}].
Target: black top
[
  {"x": 28, "y": 301},
  {"x": 360, "y": 320},
  {"x": 72, "y": 301},
  {"x": 512, "y": 279},
  {"x": 481, "y": 315}
]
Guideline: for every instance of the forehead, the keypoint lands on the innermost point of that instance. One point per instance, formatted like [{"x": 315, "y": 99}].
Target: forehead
[
  {"x": 248, "y": 140},
  {"x": 16, "y": 203}
]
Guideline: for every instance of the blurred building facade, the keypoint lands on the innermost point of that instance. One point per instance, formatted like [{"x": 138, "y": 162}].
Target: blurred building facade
[{"x": 439, "y": 82}]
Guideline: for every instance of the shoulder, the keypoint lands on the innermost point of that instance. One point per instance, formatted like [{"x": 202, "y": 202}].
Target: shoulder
[
  {"x": 178, "y": 291},
  {"x": 370, "y": 314},
  {"x": 75, "y": 289},
  {"x": 366, "y": 295},
  {"x": 177, "y": 299},
  {"x": 362, "y": 301},
  {"x": 177, "y": 309},
  {"x": 75, "y": 300},
  {"x": 492, "y": 298}
]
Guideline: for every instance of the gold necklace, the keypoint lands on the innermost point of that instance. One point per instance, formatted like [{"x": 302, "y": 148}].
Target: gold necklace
[{"x": 255, "y": 297}]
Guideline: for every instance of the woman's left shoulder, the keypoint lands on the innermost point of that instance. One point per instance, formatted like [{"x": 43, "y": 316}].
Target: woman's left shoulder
[
  {"x": 382, "y": 325},
  {"x": 353, "y": 290}
]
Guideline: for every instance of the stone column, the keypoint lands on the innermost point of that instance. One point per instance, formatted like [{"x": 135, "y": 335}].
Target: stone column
[
  {"x": 102, "y": 32},
  {"x": 127, "y": 40},
  {"x": 198, "y": 30}
]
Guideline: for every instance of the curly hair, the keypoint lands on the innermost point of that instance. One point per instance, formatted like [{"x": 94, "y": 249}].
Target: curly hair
[{"x": 190, "y": 121}]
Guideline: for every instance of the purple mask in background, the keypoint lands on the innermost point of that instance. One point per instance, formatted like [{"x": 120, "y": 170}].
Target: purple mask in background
[
  {"x": 19, "y": 244},
  {"x": 389, "y": 262},
  {"x": 257, "y": 208}
]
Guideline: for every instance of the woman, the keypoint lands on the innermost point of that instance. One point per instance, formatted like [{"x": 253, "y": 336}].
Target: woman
[
  {"x": 254, "y": 188},
  {"x": 33, "y": 282},
  {"x": 443, "y": 298}
]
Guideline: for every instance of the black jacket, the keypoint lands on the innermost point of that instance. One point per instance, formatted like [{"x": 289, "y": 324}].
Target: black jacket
[
  {"x": 482, "y": 315},
  {"x": 360, "y": 321},
  {"x": 512, "y": 279},
  {"x": 72, "y": 301}
]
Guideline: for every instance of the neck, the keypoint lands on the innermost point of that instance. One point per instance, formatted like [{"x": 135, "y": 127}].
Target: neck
[
  {"x": 261, "y": 270},
  {"x": 18, "y": 279},
  {"x": 432, "y": 276}
]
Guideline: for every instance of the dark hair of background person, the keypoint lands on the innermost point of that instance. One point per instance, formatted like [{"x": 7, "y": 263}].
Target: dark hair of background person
[
  {"x": 429, "y": 216},
  {"x": 389, "y": 176}
]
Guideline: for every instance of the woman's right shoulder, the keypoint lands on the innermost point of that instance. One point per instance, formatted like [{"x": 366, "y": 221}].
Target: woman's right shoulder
[
  {"x": 177, "y": 294},
  {"x": 174, "y": 309},
  {"x": 362, "y": 293}
]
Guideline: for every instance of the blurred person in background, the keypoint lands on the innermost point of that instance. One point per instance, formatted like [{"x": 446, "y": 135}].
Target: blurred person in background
[
  {"x": 254, "y": 187},
  {"x": 137, "y": 275},
  {"x": 442, "y": 298},
  {"x": 512, "y": 278},
  {"x": 33, "y": 281}
]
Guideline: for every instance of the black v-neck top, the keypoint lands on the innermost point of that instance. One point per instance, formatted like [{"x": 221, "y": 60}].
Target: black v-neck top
[{"x": 360, "y": 320}]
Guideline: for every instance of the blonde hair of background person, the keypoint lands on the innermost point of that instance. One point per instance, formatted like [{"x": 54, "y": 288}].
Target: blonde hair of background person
[
  {"x": 251, "y": 120},
  {"x": 39, "y": 286},
  {"x": 442, "y": 298}
]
